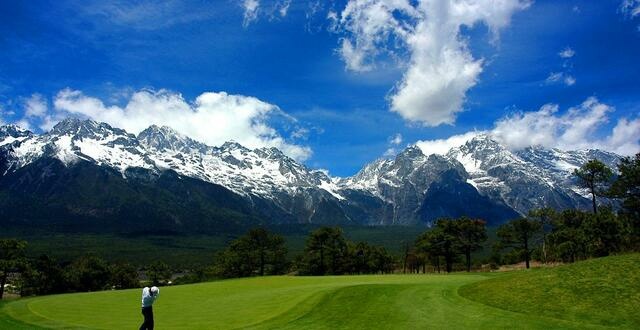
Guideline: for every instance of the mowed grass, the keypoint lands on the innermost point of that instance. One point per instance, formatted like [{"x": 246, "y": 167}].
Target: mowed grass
[
  {"x": 287, "y": 302},
  {"x": 603, "y": 291}
]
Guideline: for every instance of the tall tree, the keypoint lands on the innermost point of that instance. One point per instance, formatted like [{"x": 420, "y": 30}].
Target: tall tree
[
  {"x": 89, "y": 273},
  {"x": 518, "y": 234},
  {"x": 325, "y": 252},
  {"x": 11, "y": 258},
  {"x": 545, "y": 216},
  {"x": 567, "y": 240},
  {"x": 43, "y": 276},
  {"x": 442, "y": 240},
  {"x": 258, "y": 252},
  {"x": 471, "y": 234},
  {"x": 594, "y": 175},
  {"x": 627, "y": 187}
]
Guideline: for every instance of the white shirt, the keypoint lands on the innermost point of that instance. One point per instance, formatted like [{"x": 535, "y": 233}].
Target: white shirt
[{"x": 147, "y": 298}]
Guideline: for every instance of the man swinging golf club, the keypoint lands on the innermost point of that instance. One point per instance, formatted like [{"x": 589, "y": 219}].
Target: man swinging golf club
[{"x": 149, "y": 296}]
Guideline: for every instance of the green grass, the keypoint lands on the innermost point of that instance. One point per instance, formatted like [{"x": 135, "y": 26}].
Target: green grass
[
  {"x": 598, "y": 293},
  {"x": 603, "y": 291},
  {"x": 345, "y": 302}
]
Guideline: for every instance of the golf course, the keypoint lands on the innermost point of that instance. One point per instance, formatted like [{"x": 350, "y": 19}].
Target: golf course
[{"x": 593, "y": 294}]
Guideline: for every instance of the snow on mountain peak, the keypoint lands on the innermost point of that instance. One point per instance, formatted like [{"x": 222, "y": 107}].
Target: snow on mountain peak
[{"x": 522, "y": 179}]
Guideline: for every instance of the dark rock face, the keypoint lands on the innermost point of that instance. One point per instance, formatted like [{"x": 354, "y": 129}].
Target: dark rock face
[{"x": 452, "y": 196}]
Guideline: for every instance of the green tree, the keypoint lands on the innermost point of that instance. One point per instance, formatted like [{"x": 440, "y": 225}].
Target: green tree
[
  {"x": 259, "y": 252},
  {"x": 471, "y": 234},
  {"x": 567, "y": 240},
  {"x": 88, "y": 273},
  {"x": 369, "y": 259},
  {"x": 43, "y": 276},
  {"x": 442, "y": 240},
  {"x": 11, "y": 259},
  {"x": 428, "y": 245},
  {"x": 325, "y": 252},
  {"x": 519, "y": 235},
  {"x": 594, "y": 175},
  {"x": 627, "y": 188},
  {"x": 545, "y": 216},
  {"x": 159, "y": 273},
  {"x": 606, "y": 233},
  {"x": 124, "y": 276}
]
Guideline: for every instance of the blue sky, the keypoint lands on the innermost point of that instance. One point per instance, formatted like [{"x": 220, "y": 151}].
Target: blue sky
[{"x": 299, "y": 88}]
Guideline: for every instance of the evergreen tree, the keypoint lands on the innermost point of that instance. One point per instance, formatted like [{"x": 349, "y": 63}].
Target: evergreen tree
[
  {"x": 545, "y": 216},
  {"x": 88, "y": 273},
  {"x": 567, "y": 240},
  {"x": 471, "y": 234},
  {"x": 325, "y": 252},
  {"x": 594, "y": 175},
  {"x": 627, "y": 188},
  {"x": 258, "y": 252},
  {"x": 519, "y": 235}
]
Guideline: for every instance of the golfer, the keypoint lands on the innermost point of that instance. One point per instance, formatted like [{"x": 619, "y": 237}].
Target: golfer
[{"x": 149, "y": 296}]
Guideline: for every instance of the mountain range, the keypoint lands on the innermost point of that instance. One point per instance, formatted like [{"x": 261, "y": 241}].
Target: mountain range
[{"x": 86, "y": 174}]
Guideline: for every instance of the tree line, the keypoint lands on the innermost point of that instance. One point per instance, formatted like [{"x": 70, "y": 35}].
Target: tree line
[
  {"x": 44, "y": 275},
  {"x": 326, "y": 252}
]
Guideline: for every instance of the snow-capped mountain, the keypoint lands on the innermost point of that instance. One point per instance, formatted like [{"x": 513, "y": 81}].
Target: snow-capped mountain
[
  {"x": 263, "y": 172},
  {"x": 479, "y": 178},
  {"x": 12, "y": 133}
]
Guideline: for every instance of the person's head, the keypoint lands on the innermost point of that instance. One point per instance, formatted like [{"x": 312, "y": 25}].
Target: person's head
[{"x": 153, "y": 290}]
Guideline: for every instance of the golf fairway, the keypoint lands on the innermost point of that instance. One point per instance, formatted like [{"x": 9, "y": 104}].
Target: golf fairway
[{"x": 284, "y": 302}]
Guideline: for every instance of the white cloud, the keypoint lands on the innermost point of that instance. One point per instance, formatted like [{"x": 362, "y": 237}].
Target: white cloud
[
  {"x": 442, "y": 146},
  {"x": 396, "y": 139},
  {"x": 576, "y": 129},
  {"x": 35, "y": 106},
  {"x": 569, "y": 80},
  {"x": 36, "y": 114},
  {"x": 213, "y": 117},
  {"x": 251, "y": 8},
  {"x": 567, "y": 53},
  {"x": 630, "y": 7},
  {"x": 440, "y": 68},
  {"x": 390, "y": 152},
  {"x": 560, "y": 77}
]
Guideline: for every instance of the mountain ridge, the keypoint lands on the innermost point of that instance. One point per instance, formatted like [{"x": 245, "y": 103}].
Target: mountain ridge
[{"x": 399, "y": 190}]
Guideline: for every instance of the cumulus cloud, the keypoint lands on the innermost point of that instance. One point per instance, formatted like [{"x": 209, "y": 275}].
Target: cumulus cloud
[
  {"x": 35, "y": 106},
  {"x": 567, "y": 53},
  {"x": 440, "y": 68},
  {"x": 250, "y": 11},
  {"x": 36, "y": 114},
  {"x": 442, "y": 146},
  {"x": 212, "y": 118},
  {"x": 577, "y": 128}
]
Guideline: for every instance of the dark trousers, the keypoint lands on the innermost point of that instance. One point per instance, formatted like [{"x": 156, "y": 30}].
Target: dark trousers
[{"x": 147, "y": 312}]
